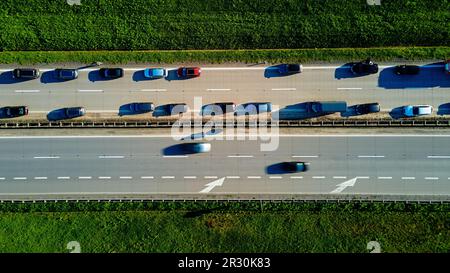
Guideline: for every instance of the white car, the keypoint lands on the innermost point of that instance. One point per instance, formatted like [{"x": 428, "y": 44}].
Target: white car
[{"x": 417, "y": 110}]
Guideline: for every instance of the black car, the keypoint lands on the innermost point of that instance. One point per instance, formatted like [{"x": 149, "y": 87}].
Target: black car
[
  {"x": 111, "y": 73},
  {"x": 74, "y": 112},
  {"x": 287, "y": 69},
  {"x": 13, "y": 111},
  {"x": 407, "y": 69},
  {"x": 364, "y": 67},
  {"x": 367, "y": 108},
  {"x": 66, "y": 74},
  {"x": 26, "y": 73}
]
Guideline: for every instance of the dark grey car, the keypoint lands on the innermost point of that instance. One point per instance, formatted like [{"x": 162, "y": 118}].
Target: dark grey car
[{"x": 26, "y": 73}]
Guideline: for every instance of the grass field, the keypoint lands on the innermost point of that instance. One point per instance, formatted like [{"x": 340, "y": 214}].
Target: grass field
[
  {"x": 228, "y": 56},
  {"x": 221, "y": 24},
  {"x": 253, "y": 227}
]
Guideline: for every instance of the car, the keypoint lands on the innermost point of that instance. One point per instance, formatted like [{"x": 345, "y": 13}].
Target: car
[
  {"x": 364, "y": 67},
  {"x": 447, "y": 67},
  {"x": 219, "y": 107},
  {"x": 288, "y": 69},
  {"x": 295, "y": 166},
  {"x": 155, "y": 73},
  {"x": 326, "y": 107},
  {"x": 199, "y": 147},
  {"x": 173, "y": 108},
  {"x": 26, "y": 73},
  {"x": 189, "y": 72},
  {"x": 407, "y": 69},
  {"x": 367, "y": 108},
  {"x": 253, "y": 108},
  {"x": 417, "y": 110},
  {"x": 66, "y": 74},
  {"x": 111, "y": 73},
  {"x": 137, "y": 108},
  {"x": 73, "y": 112},
  {"x": 13, "y": 111}
]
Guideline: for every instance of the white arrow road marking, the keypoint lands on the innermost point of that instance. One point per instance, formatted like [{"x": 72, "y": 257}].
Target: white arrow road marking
[
  {"x": 342, "y": 186},
  {"x": 212, "y": 185}
]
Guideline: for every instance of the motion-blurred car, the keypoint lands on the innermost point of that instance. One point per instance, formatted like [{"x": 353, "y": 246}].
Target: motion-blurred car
[
  {"x": 407, "y": 69},
  {"x": 219, "y": 108},
  {"x": 253, "y": 108},
  {"x": 364, "y": 67},
  {"x": 173, "y": 108},
  {"x": 417, "y": 110},
  {"x": 288, "y": 69},
  {"x": 111, "y": 73},
  {"x": 13, "y": 111},
  {"x": 294, "y": 166},
  {"x": 200, "y": 147},
  {"x": 189, "y": 72},
  {"x": 155, "y": 73},
  {"x": 66, "y": 74},
  {"x": 447, "y": 66},
  {"x": 367, "y": 108},
  {"x": 26, "y": 73},
  {"x": 137, "y": 108},
  {"x": 73, "y": 112}
]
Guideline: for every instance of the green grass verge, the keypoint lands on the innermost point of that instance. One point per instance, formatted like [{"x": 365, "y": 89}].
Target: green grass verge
[
  {"x": 221, "y": 24},
  {"x": 225, "y": 56},
  {"x": 224, "y": 227}
]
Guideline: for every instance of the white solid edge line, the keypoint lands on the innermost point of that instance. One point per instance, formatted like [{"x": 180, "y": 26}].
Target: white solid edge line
[
  {"x": 90, "y": 90},
  {"x": 27, "y": 91},
  {"x": 237, "y": 135}
]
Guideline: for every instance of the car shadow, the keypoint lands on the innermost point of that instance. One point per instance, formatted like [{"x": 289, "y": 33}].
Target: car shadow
[
  {"x": 351, "y": 112},
  {"x": 276, "y": 168},
  {"x": 3, "y": 113},
  {"x": 173, "y": 76},
  {"x": 50, "y": 77},
  {"x": 397, "y": 113},
  {"x": 7, "y": 78},
  {"x": 57, "y": 114},
  {"x": 444, "y": 109},
  {"x": 430, "y": 75},
  {"x": 177, "y": 149},
  {"x": 296, "y": 112},
  {"x": 203, "y": 135},
  {"x": 343, "y": 72}
]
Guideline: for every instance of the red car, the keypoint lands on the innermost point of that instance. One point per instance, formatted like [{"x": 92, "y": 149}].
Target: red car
[{"x": 189, "y": 72}]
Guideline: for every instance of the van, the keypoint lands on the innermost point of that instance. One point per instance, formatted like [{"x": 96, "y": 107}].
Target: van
[{"x": 320, "y": 107}]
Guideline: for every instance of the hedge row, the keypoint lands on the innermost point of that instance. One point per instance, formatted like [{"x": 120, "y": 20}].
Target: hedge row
[
  {"x": 224, "y": 56},
  {"x": 197, "y": 24}
]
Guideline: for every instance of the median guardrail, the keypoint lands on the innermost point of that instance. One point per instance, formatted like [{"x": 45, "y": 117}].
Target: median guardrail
[{"x": 231, "y": 123}]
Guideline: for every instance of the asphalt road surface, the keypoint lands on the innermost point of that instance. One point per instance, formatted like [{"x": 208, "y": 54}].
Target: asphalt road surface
[
  {"x": 240, "y": 84},
  {"x": 384, "y": 164}
]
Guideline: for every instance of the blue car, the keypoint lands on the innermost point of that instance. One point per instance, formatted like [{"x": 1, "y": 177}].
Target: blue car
[
  {"x": 155, "y": 73},
  {"x": 200, "y": 147},
  {"x": 293, "y": 167}
]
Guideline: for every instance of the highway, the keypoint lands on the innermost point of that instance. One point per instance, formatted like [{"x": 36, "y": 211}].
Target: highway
[
  {"x": 382, "y": 164},
  {"x": 238, "y": 84}
]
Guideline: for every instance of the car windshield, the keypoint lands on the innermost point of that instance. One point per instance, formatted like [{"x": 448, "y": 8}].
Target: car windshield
[
  {"x": 416, "y": 110},
  {"x": 66, "y": 73},
  {"x": 190, "y": 71},
  {"x": 292, "y": 67},
  {"x": 27, "y": 72}
]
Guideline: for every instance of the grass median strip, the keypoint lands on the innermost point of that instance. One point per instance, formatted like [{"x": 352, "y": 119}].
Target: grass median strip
[
  {"x": 224, "y": 227},
  {"x": 227, "y": 56}
]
